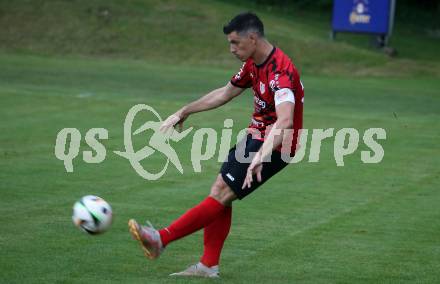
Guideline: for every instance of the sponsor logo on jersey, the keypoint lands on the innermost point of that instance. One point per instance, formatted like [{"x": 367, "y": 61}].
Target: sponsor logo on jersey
[
  {"x": 260, "y": 103},
  {"x": 262, "y": 88}
]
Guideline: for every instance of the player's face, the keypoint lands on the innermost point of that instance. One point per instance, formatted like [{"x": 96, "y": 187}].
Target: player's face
[{"x": 242, "y": 46}]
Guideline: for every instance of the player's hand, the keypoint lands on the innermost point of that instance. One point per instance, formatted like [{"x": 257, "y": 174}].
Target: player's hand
[
  {"x": 254, "y": 168},
  {"x": 175, "y": 119}
]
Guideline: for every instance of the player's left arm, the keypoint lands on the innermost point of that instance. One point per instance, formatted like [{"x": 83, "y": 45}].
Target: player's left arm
[{"x": 284, "y": 107}]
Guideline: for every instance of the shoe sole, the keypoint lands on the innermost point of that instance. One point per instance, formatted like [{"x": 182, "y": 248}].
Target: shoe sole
[
  {"x": 178, "y": 274},
  {"x": 133, "y": 227}
]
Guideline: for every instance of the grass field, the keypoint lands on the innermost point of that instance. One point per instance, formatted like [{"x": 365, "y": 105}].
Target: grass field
[
  {"x": 68, "y": 65},
  {"x": 190, "y": 33},
  {"x": 314, "y": 222}
]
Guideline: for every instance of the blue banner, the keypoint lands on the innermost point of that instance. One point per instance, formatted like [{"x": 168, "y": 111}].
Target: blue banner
[{"x": 364, "y": 16}]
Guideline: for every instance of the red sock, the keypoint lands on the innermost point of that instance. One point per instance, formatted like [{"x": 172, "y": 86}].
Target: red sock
[
  {"x": 193, "y": 220},
  {"x": 214, "y": 237}
]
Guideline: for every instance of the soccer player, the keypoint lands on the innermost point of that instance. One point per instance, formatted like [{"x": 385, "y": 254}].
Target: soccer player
[{"x": 276, "y": 120}]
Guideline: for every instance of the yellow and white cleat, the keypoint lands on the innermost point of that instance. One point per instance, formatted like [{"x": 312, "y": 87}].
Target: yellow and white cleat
[{"x": 148, "y": 237}]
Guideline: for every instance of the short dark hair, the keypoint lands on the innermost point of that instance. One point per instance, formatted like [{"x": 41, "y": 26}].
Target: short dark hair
[{"x": 244, "y": 23}]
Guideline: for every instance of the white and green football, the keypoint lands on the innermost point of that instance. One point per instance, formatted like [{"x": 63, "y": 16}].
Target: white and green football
[{"x": 92, "y": 214}]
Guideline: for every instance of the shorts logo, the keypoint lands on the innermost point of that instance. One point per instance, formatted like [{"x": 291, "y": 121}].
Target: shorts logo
[
  {"x": 230, "y": 177},
  {"x": 262, "y": 88}
]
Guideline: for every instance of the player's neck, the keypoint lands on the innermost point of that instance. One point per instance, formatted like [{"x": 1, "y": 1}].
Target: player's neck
[{"x": 262, "y": 52}]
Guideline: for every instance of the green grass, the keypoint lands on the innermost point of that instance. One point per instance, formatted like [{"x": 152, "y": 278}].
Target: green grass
[
  {"x": 84, "y": 64},
  {"x": 190, "y": 33},
  {"x": 314, "y": 222}
]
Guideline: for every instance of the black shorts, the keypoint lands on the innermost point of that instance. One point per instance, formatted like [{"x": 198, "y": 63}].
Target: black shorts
[{"x": 234, "y": 172}]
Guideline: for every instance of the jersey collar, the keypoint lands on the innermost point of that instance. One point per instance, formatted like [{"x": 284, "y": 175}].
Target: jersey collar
[{"x": 267, "y": 59}]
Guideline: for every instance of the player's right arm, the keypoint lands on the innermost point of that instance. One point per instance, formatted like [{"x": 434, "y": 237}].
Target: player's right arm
[{"x": 213, "y": 99}]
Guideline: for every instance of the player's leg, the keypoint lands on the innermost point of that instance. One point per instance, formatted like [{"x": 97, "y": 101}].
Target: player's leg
[
  {"x": 154, "y": 241},
  {"x": 201, "y": 215},
  {"x": 221, "y": 192},
  {"x": 233, "y": 172},
  {"x": 215, "y": 234},
  {"x": 224, "y": 191}
]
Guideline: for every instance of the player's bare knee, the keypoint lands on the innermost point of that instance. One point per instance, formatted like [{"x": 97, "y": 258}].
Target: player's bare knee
[
  {"x": 221, "y": 192},
  {"x": 217, "y": 190}
]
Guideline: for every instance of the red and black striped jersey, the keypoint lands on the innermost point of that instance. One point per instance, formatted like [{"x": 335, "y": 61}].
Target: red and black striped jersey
[{"x": 275, "y": 73}]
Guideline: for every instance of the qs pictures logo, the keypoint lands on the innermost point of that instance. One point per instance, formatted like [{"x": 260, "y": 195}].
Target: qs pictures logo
[
  {"x": 207, "y": 142},
  {"x": 159, "y": 142}
]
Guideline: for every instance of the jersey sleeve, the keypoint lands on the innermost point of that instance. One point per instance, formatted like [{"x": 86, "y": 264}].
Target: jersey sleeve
[
  {"x": 243, "y": 79},
  {"x": 281, "y": 80}
]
